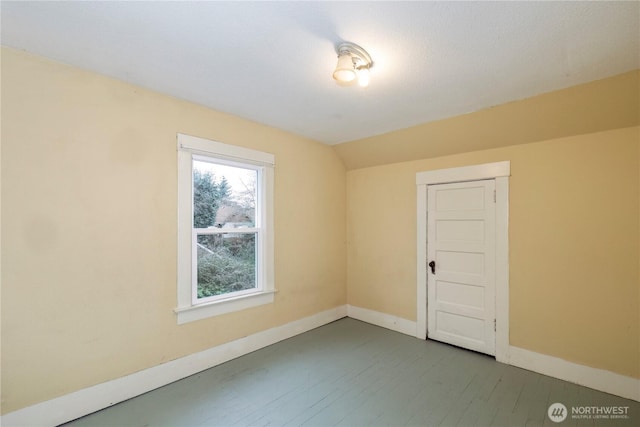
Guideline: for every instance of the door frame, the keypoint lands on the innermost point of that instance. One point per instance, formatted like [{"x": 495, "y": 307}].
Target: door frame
[{"x": 500, "y": 172}]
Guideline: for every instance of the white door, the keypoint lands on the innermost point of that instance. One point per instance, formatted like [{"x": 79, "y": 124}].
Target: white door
[{"x": 461, "y": 264}]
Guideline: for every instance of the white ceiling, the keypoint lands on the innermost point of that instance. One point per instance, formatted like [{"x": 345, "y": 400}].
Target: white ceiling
[{"x": 271, "y": 62}]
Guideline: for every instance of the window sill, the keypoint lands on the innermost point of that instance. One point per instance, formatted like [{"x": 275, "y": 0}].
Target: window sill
[{"x": 217, "y": 308}]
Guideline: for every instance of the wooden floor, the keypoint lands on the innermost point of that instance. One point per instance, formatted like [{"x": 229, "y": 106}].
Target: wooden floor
[{"x": 350, "y": 373}]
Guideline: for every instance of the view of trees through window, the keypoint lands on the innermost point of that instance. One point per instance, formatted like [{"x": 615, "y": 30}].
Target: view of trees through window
[{"x": 224, "y": 211}]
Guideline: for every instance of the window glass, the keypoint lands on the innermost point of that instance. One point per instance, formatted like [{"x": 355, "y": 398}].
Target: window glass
[
  {"x": 224, "y": 222},
  {"x": 226, "y": 263},
  {"x": 223, "y": 196}
]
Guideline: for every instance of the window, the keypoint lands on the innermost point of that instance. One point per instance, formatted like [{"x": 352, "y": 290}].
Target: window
[{"x": 225, "y": 228}]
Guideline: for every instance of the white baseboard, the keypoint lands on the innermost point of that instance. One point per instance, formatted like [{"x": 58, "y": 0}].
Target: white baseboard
[
  {"x": 384, "y": 320},
  {"x": 82, "y": 402},
  {"x": 598, "y": 379}
]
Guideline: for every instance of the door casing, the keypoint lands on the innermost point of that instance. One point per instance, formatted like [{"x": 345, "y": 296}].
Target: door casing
[{"x": 500, "y": 172}]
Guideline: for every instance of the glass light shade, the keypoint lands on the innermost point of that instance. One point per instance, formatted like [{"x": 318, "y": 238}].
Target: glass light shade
[
  {"x": 344, "y": 72},
  {"x": 363, "y": 77}
]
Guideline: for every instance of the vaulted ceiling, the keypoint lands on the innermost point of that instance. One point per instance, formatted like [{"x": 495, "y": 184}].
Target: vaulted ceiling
[{"x": 272, "y": 62}]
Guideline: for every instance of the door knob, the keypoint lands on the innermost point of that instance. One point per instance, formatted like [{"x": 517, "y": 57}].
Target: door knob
[{"x": 432, "y": 264}]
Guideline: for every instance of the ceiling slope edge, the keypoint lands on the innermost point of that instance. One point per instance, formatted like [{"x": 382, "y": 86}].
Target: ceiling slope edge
[{"x": 605, "y": 104}]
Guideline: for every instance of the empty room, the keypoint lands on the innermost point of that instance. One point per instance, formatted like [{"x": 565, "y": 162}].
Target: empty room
[{"x": 320, "y": 213}]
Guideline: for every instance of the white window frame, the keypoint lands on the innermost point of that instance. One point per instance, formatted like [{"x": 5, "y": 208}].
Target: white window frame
[{"x": 189, "y": 307}]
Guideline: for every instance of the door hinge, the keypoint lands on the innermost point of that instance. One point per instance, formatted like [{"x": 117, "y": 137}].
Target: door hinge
[
  {"x": 494, "y": 325},
  {"x": 494, "y": 196}
]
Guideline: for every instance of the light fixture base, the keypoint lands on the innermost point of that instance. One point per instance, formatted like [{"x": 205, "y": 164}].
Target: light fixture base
[{"x": 356, "y": 52}]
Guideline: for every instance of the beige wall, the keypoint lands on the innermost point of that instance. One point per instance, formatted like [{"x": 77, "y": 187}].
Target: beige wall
[
  {"x": 89, "y": 229},
  {"x": 573, "y": 236}
]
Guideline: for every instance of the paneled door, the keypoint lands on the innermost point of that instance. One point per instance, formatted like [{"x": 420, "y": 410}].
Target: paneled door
[{"x": 461, "y": 264}]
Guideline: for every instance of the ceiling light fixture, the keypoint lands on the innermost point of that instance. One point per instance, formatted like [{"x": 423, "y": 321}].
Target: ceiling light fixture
[{"x": 353, "y": 65}]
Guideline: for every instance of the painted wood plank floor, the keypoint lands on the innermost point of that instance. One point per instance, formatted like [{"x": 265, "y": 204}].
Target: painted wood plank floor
[{"x": 350, "y": 373}]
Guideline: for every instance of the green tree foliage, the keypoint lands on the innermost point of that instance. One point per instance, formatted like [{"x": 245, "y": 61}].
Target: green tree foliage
[
  {"x": 208, "y": 195},
  {"x": 230, "y": 267}
]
